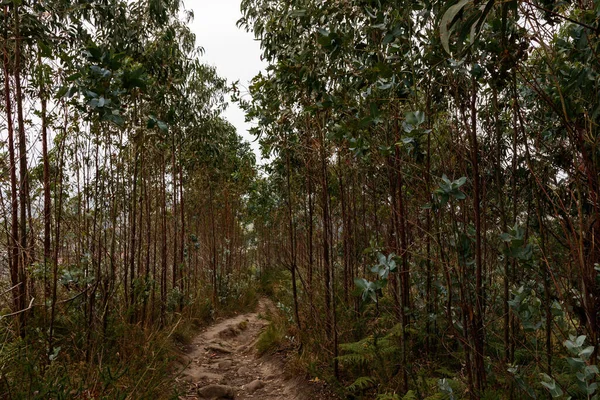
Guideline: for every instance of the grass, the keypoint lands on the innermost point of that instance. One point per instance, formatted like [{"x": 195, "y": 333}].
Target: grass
[
  {"x": 270, "y": 340},
  {"x": 122, "y": 361}
]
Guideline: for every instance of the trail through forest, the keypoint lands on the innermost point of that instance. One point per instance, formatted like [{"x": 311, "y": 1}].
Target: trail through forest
[
  {"x": 417, "y": 184},
  {"x": 222, "y": 362}
]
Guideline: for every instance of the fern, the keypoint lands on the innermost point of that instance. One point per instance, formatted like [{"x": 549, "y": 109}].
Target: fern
[
  {"x": 387, "y": 347},
  {"x": 410, "y": 395},
  {"x": 354, "y": 359},
  {"x": 362, "y": 383},
  {"x": 389, "y": 396},
  {"x": 396, "y": 331},
  {"x": 375, "y": 359},
  {"x": 357, "y": 347}
]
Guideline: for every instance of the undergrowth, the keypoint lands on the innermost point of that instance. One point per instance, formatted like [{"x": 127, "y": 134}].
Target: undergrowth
[
  {"x": 273, "y": 337},
  {"x": 131, "y": 362},
  {"x": 116, "y": 359}
]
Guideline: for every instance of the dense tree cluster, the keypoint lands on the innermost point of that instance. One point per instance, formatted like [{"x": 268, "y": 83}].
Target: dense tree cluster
[
  {"x": 428, "y": 215},
  {"x": 435, "y": 167},
  {"x": 122, "y": 193}
]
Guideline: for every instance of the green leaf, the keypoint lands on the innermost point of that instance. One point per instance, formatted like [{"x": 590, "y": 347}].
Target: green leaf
[
  {"x": 54, "y": 354},
  {"x": 576, "y": 363},
  {"x": 362, "y": 383},
  {"x": 324, "y": 38},
  {"x": 591, "y": 370},
  {"x": 361, "y": 283},
  {"x": 297, "y": 13},
  {"x": 415, "y": 118},
  {"x": 586, "y": 353},
  {"x": 73, "y": 77},
  {"x": 380, "y": 284},
  {"x": 447, "y": 20},
  {"x": 476, "y": 28},
  {"x": 45, "y": 50},
  {"x": 162, "y": 125},
  {"x": 445, "y": 388},
  {"x": 62, "y": 91},
  {"x": 550, "y": 384}
]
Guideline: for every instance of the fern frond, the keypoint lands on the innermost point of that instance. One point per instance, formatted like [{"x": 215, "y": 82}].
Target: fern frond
[
  {"x": 359, "y": 347},
  {"x": 362, "y": 383},
  {"x": 389, "y": 348},
  {"x": 388, "y": 396},
  {"x": 354, "y": 359},
  {"x": 410, "y": 395}
]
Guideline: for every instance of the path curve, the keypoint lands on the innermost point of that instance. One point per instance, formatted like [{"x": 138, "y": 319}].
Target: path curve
[{"x": 221, "y": 363}]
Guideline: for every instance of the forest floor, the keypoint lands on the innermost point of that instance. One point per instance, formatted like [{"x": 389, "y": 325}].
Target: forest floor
[{"x": 222, "y": 362}]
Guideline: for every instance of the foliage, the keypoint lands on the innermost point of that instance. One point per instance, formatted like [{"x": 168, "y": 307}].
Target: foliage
[
  {"x": 124, "y": 218},
  {"x": 373, "y": 355},
  {"x": 460, "y": 139},
  {"x": 273, "y": 337},
  {"x": 382, "y": 270},
  {"x": 429, "y": 199}
]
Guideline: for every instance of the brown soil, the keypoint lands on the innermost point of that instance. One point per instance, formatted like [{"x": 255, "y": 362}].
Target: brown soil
[{"x": 225, "y": 354}]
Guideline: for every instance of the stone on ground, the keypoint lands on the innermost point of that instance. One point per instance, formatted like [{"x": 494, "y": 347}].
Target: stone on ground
[
  {"x": 216, "y": 392},
  {"x": 243, "y": 370},
  {"x": 218, "y": 348},
  {"x": 225, "y": 364},
  {"x": 254, "y": 386}
]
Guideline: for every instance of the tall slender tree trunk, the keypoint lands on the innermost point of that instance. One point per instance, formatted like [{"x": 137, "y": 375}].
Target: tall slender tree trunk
[
  {"x": 58, "y": 213},
  {"x": 327, "y": 262},
  {"x": 182, "y": 241},
  {"x": 214, "y": 247},
  {"x": 133, "y": 233},
  {"x": 46, "y": 179},
  {"x": 23, "y": 171},
  {"x": 479, "y": 332},
  {"x": 292, "y": 230},
  {"x": 14, "y": 260},
  {"x": 175, "y": 265},
  {"x": 163, "y": 279},
  {"x": 403, "y": 253}
]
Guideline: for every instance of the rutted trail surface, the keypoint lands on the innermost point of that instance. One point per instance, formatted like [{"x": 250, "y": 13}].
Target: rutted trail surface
[{"x": 221, "y": 363}]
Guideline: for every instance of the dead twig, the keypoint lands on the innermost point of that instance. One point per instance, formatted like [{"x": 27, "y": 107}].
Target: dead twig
[{"x": 20, "y": 311}]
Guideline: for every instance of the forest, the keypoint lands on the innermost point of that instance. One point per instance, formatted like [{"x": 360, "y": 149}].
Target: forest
[{"x": 424, "y": 214}]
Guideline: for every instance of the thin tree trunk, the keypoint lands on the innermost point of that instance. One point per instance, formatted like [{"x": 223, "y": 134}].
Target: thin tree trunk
[
  {"x": 292, "y": 229},
  {"x": 58, "y": 214},
  {"x": 478, "y": 333},
  {"x": 13, "y": 247},
  {"x": 24, "y": 174}
]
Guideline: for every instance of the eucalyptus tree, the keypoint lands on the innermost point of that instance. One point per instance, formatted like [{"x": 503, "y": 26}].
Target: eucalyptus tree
[
  {"x": 129, "y": 121},
  {"x": 433, "y": 111}
]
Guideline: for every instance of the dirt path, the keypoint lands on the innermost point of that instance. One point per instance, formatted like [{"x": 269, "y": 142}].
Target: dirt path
[{"x": 221, "y": 363}]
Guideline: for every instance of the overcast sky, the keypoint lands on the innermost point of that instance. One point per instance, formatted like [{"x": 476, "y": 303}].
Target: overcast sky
[{"x": 233, "y": 51}]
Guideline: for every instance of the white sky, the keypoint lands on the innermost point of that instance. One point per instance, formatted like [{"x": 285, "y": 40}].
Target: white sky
[{"x": 233, "y": 51}]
